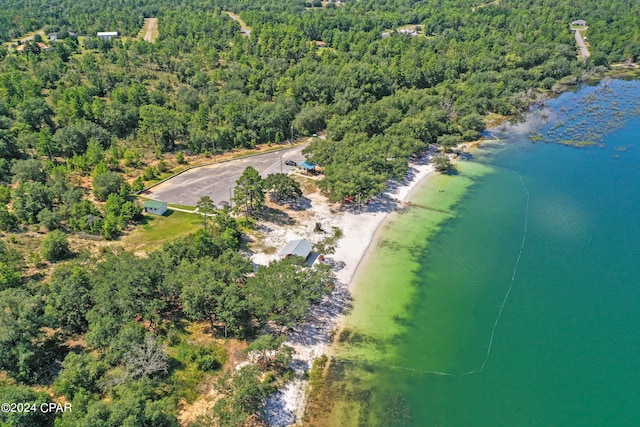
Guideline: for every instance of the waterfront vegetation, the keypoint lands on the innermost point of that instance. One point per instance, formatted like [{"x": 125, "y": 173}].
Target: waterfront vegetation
[{"x": 85, "y": 122}]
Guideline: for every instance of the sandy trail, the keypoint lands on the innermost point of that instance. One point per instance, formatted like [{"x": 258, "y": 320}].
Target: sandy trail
[
  {"x": 244, "y": 28},
  {"x": 153, "y": 22}
]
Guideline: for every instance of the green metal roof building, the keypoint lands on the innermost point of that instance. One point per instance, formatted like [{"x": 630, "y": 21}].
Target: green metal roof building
[{"x": 155, "y": 207}]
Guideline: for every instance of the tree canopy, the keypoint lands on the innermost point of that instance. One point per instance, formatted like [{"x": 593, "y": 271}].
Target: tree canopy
[{"x": 82, "y": 118}]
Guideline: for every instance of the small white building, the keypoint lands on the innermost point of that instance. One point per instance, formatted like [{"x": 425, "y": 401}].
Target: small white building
[
  {"x": 107, "y": 35},
  {"x": 411, "y": 32},
  {"x": 155, "y": 207}
]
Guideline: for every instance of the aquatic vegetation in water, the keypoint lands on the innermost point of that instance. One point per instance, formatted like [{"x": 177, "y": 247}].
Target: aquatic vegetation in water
[
  {"x": 577, "y": 144},
  {"x": 396, "y": 411},
  {"x": 594, "y": 116},
  {"x": 534, "y": 137}
]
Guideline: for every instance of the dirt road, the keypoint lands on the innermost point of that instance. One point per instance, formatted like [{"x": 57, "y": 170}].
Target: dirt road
[
  {"x": 26, "y": 37},
  {"x": 151, "y": 25},
  {"x": 581, "y": 45},
  {"x": 244, "y": 28}
]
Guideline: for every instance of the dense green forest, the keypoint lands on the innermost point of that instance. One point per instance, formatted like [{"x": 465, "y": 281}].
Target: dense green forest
[{"x": 86, "y": 122}]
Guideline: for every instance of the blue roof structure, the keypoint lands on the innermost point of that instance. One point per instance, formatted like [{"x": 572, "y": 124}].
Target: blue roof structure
[{"x": 307, "y": 165}]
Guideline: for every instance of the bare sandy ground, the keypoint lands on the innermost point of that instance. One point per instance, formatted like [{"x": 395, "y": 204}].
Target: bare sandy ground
[
  {"x": 244, "y": 28},
  {"x": 150, "y": 27},
  {"x": 359, "y": 224}
]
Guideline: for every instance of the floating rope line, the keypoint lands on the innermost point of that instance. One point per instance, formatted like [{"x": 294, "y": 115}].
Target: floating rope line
[
  {"x": 498, "y": 316},
  {"x": 513, "y": 276}
]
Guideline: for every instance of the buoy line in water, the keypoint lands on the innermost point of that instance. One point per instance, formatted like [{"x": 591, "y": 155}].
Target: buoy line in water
[{"x": 498, "y": 316}]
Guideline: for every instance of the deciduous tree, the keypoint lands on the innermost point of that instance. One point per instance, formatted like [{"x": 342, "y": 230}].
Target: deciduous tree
[
  {"x": 69, "y": 298},
  {"x": 21, "y": 334},
  {"x": 283, "y": 291},
  {"x": 107, "y": 183},
  {"x": 282, "y": 187},
  {"x": 55, "y": 246}
]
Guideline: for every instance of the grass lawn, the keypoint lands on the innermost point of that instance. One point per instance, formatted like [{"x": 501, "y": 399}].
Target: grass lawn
[{"x": 154, "y": 230}]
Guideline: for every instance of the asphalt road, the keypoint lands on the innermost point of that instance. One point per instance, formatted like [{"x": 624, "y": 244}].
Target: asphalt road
[{"x": 217, "y": 181}]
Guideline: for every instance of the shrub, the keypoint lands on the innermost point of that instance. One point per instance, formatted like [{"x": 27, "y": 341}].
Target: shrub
[
  {"x": 107, "y": 183},
  {"x": 442, "y": 163},
  {"x": 180, "y": 157},
  {"x": 209, "y": 363},
  {"x": 55, "y": 246}
]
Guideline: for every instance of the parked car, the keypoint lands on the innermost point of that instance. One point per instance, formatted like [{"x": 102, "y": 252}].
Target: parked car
[{"x": 290, "y": 163}]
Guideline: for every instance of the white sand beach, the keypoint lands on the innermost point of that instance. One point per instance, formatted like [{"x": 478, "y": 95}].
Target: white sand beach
[{"x": 358, "y": 224}]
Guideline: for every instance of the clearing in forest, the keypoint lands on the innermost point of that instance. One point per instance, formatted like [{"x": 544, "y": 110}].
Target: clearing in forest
[
  {"x": 244, "y": 28},
  {"x": 149, "y": 31},
  {"x": 155, "y": 230},
  {"x": 407, "y": 30},
  {"x": 28, "y": 36},
  {"x": 491, "y": 3}
]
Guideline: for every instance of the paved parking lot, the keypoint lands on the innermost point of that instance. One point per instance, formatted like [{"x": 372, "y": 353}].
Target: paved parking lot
[{"x": 217, "y": 181}]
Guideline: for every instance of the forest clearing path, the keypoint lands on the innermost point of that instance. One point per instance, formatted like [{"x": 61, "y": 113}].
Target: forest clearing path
[
  {"x": 149, "y": 31},
  {"x": 244, "y": 28},
  {"x": 24, "y": 38},
  {"x": 584, "y": 52}
]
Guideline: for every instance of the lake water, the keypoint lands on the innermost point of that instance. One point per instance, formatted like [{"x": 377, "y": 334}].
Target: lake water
[{"x": 510, "y": 295}]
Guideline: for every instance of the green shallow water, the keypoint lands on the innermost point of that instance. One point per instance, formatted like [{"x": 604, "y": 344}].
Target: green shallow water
[{"x": 427, "y": 344}]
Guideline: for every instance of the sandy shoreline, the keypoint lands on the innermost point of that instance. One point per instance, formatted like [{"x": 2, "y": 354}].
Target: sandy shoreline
[{"x": 359, "y": 226}]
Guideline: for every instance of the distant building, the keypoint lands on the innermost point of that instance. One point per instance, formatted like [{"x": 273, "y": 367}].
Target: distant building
[
  {"x": 44, "y": 47},
  {"x": 299, "y": 247},
  {"x": 320, "y": 44},
  {"x": 61, "y": 35},
  {"x": 411, "y": 32},
  {"x": 579, "y": 23},
  {"x": 155, "y": 207},
  {"x": 108, "y": 35}
]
